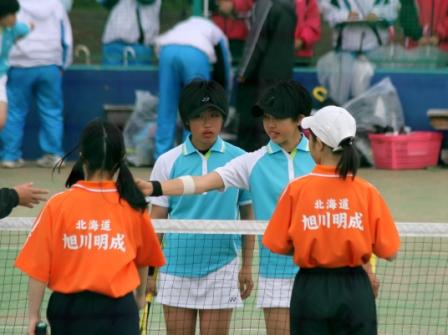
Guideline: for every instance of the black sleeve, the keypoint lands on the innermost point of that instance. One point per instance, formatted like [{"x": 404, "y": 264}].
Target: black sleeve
[
  {"x": 252, "y": 69},
  {"x": 213, "y": 7},
  {"x": 219, "y": 68},
  {"x": 274, "y": 49},
  {"x": 409, "y": 20},
  {"x": 109, "y": 4},
  {"x": 8, "y": 200}
]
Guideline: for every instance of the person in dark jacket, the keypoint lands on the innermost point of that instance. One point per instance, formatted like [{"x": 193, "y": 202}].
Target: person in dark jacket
[
  {"x": 24, "y": 195},
  {"x": 267, "y": 58}
]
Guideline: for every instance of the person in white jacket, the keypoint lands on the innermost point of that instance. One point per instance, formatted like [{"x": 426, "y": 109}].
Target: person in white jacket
[
  {"x": 360, "y": 25},
  {"x": 35, "y": 77},
  {"x": 195, "y": 48},
  {"x": 130, "y": 31},
  {"x": 359, "y": 28},
  {"x": 67, "y": 4}
]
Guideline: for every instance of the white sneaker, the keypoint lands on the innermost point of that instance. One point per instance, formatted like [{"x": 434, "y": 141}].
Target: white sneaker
[
  {"x": 13, "y": 164},
  {"x": 50, "y": 161}
]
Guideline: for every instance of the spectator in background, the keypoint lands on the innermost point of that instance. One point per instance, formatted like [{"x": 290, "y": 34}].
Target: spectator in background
[
  {"x": 24, "y": 195},
  {"x": 374, "y": 18},
  {"x": 308, "y": 30},
  {"x": 130, "y": 31},
  {"x": 187, "y": 51},
  {"x": 232, "y": 16},
  {"x": 67, "y": 4},
  {"x": 10, "y": 32},
  {"x": 360, "y": 28},
  {"x": 35, "y": 76},
  {"x": 425, "y": 23},
  {"x": 268, "y": 57}
]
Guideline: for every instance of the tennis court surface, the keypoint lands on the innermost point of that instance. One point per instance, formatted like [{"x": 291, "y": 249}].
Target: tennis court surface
[{"x": 414, "y": 289}]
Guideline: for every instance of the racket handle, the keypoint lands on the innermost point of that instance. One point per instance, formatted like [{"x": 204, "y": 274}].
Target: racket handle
[{"x": 41, "y": 328}]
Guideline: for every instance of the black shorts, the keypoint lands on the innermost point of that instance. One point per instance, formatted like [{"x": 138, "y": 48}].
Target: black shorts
[
  {"x": 333, "y": 301},
  {"x": 89, "y": 313}
]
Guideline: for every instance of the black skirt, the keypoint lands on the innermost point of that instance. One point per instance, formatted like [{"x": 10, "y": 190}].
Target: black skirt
[
  {"x": 90, "y": 313},
  {"x": 333, "y": 301}
]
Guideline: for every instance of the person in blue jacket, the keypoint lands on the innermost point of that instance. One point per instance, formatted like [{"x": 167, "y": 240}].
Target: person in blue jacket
[
  {"x": 10, "y": 32},
  {"x": 35, "y": 80}
]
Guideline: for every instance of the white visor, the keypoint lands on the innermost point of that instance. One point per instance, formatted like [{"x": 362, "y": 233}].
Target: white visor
[{"x": 332, "y": 125}]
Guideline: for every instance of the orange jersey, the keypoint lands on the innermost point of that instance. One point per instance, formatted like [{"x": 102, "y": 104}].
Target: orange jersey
[
  {"x": 329, "y": 222},
  {"x": 86, "y": 239}
]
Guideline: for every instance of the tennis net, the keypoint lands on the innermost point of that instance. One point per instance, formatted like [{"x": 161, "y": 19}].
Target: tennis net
[{"x": 413, "y": 295}]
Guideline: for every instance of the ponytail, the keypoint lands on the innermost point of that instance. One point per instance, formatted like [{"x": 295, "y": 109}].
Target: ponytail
[
  {"x": 349, "y": 161},
  {"x": 102, "y": 149},
  {"x": 128, "y": 190},
  {"x": 76, "y": 174}
]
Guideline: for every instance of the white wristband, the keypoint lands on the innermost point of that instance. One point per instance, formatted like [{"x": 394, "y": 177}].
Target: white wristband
[{"x": 188, "y": 183}]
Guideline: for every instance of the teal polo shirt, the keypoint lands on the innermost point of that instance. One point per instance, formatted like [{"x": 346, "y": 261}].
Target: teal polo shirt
[
  {"x": 8, "y": 37},
  {"x": 197, "y": 255},
  {"x": 265, "y": 173}
]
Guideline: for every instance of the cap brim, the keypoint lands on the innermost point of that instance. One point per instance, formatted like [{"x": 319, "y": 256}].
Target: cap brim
[
  {"x": 257, "y": 111},
  {"x": 307, "y": 122},
  {"x": 204, "y": 107}
]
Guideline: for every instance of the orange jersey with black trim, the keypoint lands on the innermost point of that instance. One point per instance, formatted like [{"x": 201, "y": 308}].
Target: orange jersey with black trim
[
  {"x": 87, "y": 239},
  {"x": 325, "y": 221}
]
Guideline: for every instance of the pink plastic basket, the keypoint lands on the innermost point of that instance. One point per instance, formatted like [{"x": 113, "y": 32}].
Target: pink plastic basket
[{"x": 415, "y": 150}]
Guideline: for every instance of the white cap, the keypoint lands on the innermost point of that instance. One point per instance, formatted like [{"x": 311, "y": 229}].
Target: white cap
[{"x": 332, "y": 125}]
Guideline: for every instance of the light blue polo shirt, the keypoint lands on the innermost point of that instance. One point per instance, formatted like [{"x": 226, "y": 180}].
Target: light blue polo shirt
[
  {"x": 8, "y": 36},
  {"x": 265, "y": 173},
  {"x": 196, "y": 255}
]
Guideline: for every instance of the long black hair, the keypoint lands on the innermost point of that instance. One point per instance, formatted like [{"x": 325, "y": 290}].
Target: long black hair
[
  {"x": 102, "y": 149},
  {"x": 349, "y": 160},
  {"x": 349, "y": 157},
  {"x": 8, "y": 7},
  {"x": 284, "y": 99}
]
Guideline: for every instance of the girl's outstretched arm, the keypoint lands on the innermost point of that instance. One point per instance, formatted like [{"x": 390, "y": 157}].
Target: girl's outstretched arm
[{"x": 184, "y": 185}]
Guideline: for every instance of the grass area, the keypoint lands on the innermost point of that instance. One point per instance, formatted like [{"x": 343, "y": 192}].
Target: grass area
[
  {"x": 414, "y": 288},
  {"x": 413, "y": 297},
  {"x": 412, "y": 195}
]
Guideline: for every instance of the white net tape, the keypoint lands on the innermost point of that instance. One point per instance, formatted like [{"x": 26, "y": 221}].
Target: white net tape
[
  {"x": 413, "y": 293},
  {"x": 410, "y": 229}
]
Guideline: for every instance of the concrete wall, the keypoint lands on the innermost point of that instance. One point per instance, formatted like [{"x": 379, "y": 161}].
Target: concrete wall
[{"x": 87, "y": 89}]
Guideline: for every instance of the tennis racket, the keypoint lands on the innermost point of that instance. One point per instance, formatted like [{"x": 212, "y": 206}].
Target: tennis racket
[
  {"x": 373, "y": 261},
  {"x": 145, "y": 314},
  {"x": 376, "y": 283},
  {"x": 41, "y": 328}
]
